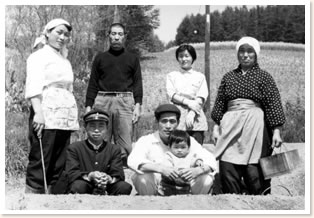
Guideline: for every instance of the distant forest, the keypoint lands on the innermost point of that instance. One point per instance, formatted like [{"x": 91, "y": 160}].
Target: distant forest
[{"x": 285, "y": 23}]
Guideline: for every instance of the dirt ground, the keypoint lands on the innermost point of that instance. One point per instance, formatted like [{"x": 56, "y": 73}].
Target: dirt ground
[{"x": 287, "y": 194}]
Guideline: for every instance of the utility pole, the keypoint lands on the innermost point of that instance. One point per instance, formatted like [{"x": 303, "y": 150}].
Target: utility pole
[
  {"x": 207, "y": 54},
  {"x": 116, "y": 16}
]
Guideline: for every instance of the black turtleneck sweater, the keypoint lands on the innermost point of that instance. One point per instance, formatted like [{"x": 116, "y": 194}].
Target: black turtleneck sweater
[{"x": 118, "y": 71}]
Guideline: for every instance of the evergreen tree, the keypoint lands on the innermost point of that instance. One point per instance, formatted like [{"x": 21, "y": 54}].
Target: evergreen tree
[{"x": 271, "y": 23}]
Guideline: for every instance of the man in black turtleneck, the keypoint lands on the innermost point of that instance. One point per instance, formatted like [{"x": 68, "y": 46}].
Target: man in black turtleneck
[{"x": 115, "y": 86}]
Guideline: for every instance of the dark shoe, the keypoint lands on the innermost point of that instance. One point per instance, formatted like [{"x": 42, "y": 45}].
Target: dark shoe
[
  {"x": 125, "y": 162},
  {"x": 30, "y": 190}
]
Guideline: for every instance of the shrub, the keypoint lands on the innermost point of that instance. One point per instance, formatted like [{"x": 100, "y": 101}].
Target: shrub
[
  {"x": 294, "y": 130},
  {"x": 16, "y": 144}
]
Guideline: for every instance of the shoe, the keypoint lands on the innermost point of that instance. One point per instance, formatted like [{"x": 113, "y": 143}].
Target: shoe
[
  {"x": 31, "y": 190},
  {"x": 125, "y": 162}
]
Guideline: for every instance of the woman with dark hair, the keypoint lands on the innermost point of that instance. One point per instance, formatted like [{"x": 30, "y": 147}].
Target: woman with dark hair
[
  {"x": 53, "y": 111},
  {"x": 248, "y": 114},
  {"x": 187, "y": 89}
]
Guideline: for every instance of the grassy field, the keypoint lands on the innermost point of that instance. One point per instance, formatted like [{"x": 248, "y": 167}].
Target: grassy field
[
  {"x": 285, "y": 65},
  {"x": 284, "y": 62}
]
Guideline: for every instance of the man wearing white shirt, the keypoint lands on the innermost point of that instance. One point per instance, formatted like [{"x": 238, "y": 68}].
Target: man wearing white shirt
[{"x": 147, "y": 156}]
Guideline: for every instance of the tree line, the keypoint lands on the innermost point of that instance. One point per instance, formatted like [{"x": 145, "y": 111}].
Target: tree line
[
  {"x": 23, "y": 23},
  {"x": 89, "y": 36},
  {"x": 285, "y": 23}
]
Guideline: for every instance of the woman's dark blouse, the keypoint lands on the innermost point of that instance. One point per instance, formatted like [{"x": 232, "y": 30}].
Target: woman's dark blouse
[{"x": 257, "y": 85}]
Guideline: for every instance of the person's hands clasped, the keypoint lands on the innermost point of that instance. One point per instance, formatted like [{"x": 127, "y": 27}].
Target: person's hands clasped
[
  {"x": 39, "y": 123},
  {"x": 100, "y": 179},
  {"x": 193, "y": 105}
]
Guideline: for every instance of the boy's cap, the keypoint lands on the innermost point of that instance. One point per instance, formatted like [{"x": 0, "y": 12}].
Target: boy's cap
[
  {"x": 167, "y": 108},
  {"x": 96, "y": 115}
]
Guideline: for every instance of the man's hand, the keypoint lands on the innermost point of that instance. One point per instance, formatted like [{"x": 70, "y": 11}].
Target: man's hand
[
  {"x": 190, "y": 173},
  {"x": 170, "y": 172},
  {"x": 136, "y": 113},
  {"x": 100, "y": 179},
  {"x": 94, "y": 176}
]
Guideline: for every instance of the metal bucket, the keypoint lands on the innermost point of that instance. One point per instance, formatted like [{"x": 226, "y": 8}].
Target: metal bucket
[{"x": 280, "y": 163}]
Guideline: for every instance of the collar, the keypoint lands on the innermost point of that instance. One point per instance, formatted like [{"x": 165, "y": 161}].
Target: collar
[
  {"x": 186, "y": 71},
  {"x": 49, "y": 48},
  {"x": 93, "y": 147},
  {"x": 157, "y": 139},
  {"x": 116, "y": 53},
  {"x": 253, "y": 68}
]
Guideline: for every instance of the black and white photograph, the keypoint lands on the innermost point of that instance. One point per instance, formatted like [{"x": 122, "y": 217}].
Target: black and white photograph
[{"x": 157, "y": 109}]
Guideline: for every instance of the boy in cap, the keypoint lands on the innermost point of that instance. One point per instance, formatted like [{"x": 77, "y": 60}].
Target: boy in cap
[
  {"x": 148, "y": 155},
  {"x": 94, "y": 165}
]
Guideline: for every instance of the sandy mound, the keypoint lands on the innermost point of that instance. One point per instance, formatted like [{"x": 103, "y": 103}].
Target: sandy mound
[{"x": 287, "y": 194}]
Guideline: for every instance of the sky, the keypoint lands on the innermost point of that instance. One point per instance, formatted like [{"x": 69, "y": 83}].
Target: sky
[{"x": 172, "y": 15}]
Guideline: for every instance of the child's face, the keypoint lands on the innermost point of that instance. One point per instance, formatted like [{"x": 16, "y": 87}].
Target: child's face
[{"x": 180, "y": 149}]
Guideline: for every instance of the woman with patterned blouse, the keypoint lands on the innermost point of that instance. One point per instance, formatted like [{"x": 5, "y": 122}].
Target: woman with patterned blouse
[
  {"x": 53, "y": 111},
  {"x": 248, "y": 114},
  {"x": 187, "y": 89}
]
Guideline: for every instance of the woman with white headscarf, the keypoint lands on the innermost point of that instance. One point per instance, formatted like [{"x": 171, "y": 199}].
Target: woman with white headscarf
[
  {"x": 53, "y": 111},
  {"x": 248, "y": 114}
]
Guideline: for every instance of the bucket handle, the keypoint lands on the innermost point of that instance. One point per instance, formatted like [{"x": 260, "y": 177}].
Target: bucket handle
[
  {"x": 283, "y": 146},
  {"x": 279, "y": 186}
]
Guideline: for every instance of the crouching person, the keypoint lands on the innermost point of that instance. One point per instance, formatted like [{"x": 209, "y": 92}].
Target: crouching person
[
  {"x": 147, "y": 159},
  {"x": 94, "y": 166}
]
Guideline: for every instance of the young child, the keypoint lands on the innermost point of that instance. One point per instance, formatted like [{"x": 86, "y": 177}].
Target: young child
[{"x": 180, "y": 157}]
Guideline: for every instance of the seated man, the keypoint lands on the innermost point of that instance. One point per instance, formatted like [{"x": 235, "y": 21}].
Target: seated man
[
  {"x": 148, "y": 155},
  {"x": 94, "y": 166}
]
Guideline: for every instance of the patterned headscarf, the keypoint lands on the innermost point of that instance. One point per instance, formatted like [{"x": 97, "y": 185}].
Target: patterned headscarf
[
  {"x": 52, "y": 24},
  {"x": 251, "y": 41}
]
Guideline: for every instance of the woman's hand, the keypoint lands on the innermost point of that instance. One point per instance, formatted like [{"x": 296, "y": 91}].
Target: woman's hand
[
  {"x": 39, "y": 122},
  {"x": 193, "y": 105},
  {"x": 276, "y": 140},
  {"x": 88, "y": 109},
  {"x": 216, "y": 133},
  {"x": 189, "y": 120}
]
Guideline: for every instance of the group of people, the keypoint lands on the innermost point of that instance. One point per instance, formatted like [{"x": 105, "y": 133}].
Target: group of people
[{"x": 248, "y": 114}]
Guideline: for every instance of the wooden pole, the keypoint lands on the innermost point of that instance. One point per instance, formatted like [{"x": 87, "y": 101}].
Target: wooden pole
[
  {"x": 116, "y": 16},
  {"x": 207, "y": 54}
]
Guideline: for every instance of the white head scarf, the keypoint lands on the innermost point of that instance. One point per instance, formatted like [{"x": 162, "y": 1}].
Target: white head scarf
[
  {"x": 52, "y": 24},
  {"x": 251, "y": 41}
]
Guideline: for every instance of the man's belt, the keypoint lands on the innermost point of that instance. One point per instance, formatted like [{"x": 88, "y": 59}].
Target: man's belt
[{"x": 115, "y": 94}]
